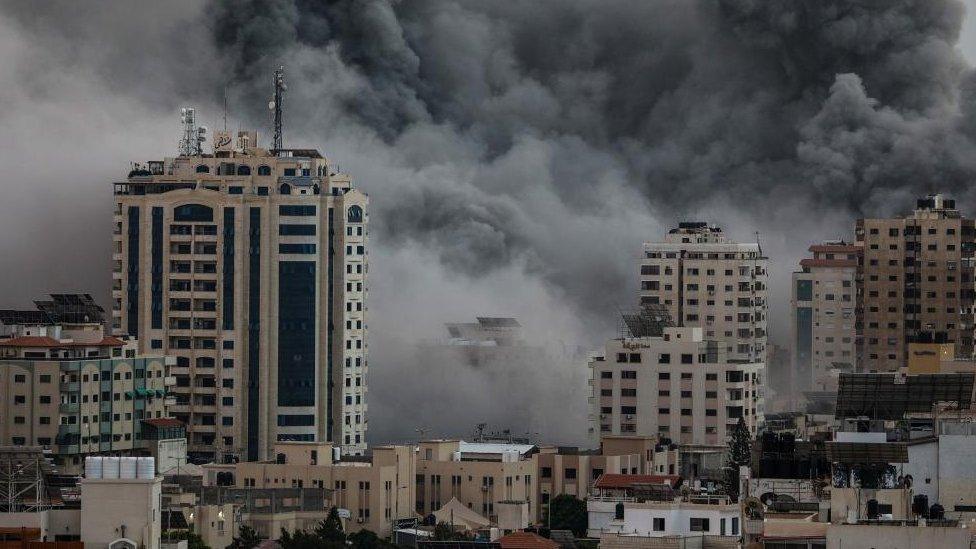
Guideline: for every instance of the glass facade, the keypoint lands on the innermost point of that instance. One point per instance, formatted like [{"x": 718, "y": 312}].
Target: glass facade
[
  {"x": 157, "y": 268},
  {"x": 132, "y": 299},
  {"x": 228, "y": 266},
  {"x": 296, "y": 333},
  {"x": 253, "y": 332}
]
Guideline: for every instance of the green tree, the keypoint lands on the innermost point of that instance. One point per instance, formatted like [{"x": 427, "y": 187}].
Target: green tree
[
  {"x": 568, "y": 513},
  {"x": 301, "y": 539},
  {"x": 740, "y": 448},
  {"x": 193, "y": 541},
  {"x": 445, "y": 532},
  {"x": 367, "y": 539},
  {"x": 330, "y": 529},
  {"x": 246, "y": 538}
]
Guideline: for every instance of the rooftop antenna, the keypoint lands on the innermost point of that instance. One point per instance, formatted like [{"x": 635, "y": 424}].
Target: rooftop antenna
[
  {"x": 225, "y": 108},
  {"x": 275, "y": 107},
  {"x": 191, "y": 144}
]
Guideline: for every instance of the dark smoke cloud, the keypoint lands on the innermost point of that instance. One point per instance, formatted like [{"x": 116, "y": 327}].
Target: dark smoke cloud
[{"x": 516, "y": 152}]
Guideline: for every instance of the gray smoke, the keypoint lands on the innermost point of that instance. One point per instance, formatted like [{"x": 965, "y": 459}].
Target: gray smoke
[{"x": 517, "y": 153}]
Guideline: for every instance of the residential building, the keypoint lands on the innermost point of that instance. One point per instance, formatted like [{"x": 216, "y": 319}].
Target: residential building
[
  {"x": 569, "y": 470},
  {"x": 706, "y": 280},
  {"x": 376, "y": 490},
  {"x": 672, "y": 383},
  {"x": 916, "y": 283},
  {"x": 822, "y": 308},
  {"x": 66, "y": 387},
  {"x": 672, "y": 523},
  {"x": 249, "y": 266},
  {"x": 483, "y": 476}
]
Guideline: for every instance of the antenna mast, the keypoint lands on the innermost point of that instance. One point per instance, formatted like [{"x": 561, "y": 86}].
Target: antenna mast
[
  {"x": 275, "y": 105},
  {"x": 191, "y": 144}
]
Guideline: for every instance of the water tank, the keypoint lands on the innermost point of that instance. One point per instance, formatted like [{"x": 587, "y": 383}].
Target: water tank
[
  {"x": 93, "y": 467},
  {"x": 128, "y": 467},
  {"x": 872, "y": 509},
  {"x": 146, "y": 467},
  {"x": 920, "y": 505},
  {"x": 936, "y": 512},
  {"x": 336, "y": 453},
  {"x": 455, "y": 456},
  {"x": 110, "y": 467}
]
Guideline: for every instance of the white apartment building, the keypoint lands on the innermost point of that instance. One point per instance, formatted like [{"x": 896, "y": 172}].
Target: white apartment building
[
  {"x": 674, "y": 385},
  {"x": 823, "y": 316},
  {"x": 250, "y": 267},
  {"x": 706, "y": 280},
  {"x": 697, "y": 517}
]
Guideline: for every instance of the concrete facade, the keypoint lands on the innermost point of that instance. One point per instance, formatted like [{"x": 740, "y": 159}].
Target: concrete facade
[
  {"x": 250, "y": 268},
  {"x": 676, "y": 386},
  {"x": 708, "y": 281},
  {"x": 916, "y": 281},
  {"x": 121, "y": 509},
  {"x": 93, "y": 403},
  {"x": 375, "y": 491},
  {"x": 822, "y": 307}
]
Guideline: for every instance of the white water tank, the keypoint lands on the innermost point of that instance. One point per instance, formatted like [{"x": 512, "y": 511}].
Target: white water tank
[
  {"x": 336, "y": 454},
  {"x": 147, "y": 467},
  {"x": 93, "y": 467},
  {"x": 110, "y": 467},
  {"x": 455, "y": 456},
  {"x": 128, "y": 467}
]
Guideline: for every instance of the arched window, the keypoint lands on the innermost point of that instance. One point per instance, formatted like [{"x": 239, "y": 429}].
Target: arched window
[
  {"x": 243, "y": 170},
  {"x": 193, "y": 212},
  {"x": 264, "y": 170},
  {"x": 355, "y": 214},
  {"x": 203, "y": 169},
  {"x": 285, "y": 188}
]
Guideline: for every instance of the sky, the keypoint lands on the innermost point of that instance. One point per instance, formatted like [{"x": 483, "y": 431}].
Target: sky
[{"x": 516, "y": 153}]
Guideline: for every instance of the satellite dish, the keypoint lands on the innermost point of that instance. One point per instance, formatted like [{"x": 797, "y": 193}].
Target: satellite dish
[{"x": 271, "y": 105}]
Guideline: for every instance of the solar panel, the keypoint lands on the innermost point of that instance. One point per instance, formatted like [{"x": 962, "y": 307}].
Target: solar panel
[{"x": 891, "y": 396}]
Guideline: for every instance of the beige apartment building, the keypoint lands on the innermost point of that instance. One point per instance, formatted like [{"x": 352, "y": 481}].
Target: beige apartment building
[
  {"x": 915, "y": 283},
  {"x": 66, "y": 387},
  {"x": 823, "y": 303},
  {"x": 376, "y": 490},
  {"x": 706, "y": 280},
  {"x": 563, "y": 470},
  {"x": 673, "y": 384},
  {"x": 249, "y": 266},
  {"x": 484, "y": 477}
]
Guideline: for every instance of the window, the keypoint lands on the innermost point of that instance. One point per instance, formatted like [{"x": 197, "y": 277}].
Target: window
[
  {"x": 606, "y": 375},
  {"x": 546, "y": 472},
  {"x": 628, "y": 410},
  {"x": 698, "y": 524},
  {"x": 355, "y": 214},
  {"x": 687, "y": 358},
  {"x": 664, "y": 375},
  {"x": 658, "y": 524},
  {"x": 296, "y": 230},
  {"x": 628, "y": 374},
  {"x": 570, "y": 473},
  {"x": 264, "y": 170}
]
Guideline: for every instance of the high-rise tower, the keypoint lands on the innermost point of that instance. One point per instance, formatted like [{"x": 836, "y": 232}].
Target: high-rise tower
[{"x": 250, "y": 267}]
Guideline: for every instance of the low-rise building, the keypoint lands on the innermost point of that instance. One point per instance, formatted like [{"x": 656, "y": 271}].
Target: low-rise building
[
  {"x": 373, "y": 491},
  {"x": 69, "y": 388},
  {"x": 671, "y": 523},
  {"x": 482, "y": 476}
]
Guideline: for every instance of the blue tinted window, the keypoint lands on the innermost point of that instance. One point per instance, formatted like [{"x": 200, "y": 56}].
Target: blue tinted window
[
  {"x": 193, "y": 212},
  {"x": 293, "y": 209},
  {"x": 296, "y": 248},
  {"x": 296, "y": 230},
  {"x": 296, "y": 333}
]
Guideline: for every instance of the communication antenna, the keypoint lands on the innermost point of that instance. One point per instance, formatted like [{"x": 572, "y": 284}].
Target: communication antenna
[
  {"x": 225, "y": 108},
  {"x": 191, "y": 144},
  {"x": 275, "y": 107}
]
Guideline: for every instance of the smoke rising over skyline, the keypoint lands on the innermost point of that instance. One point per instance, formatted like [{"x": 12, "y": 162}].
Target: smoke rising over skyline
[{"x": 516, "y": 153}]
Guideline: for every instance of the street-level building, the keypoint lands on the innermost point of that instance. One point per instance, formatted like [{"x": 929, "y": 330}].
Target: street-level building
[
  {"x": 249, "y": 266},
  {"x": 916, "y": 283},
  {"x": 673, "y": 385},
  {"x": 376, "y": 491}
]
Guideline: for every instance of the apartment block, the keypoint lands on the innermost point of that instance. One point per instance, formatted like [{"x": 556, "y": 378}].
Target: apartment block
[
  {"x": 484, "y": 477},
  {"x": 916, "y": 283},
  {"x": 706, "y": 280},
  {"x": 249, "y": 266},
  {"x": 823, "y": 303},
  {"x": 66, "y": 387},
  {"x": 674, "y": 384},
  {"x": 376, "y": 490},
  {"x": 573, "y": 471}
]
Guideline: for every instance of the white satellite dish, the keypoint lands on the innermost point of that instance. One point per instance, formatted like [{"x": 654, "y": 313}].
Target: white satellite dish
[{"x": 271, "y": 105}]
